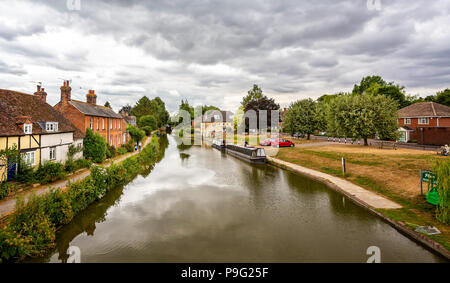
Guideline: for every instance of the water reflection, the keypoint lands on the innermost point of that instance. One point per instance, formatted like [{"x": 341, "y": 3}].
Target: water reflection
[{"x": 216, "y": 208}]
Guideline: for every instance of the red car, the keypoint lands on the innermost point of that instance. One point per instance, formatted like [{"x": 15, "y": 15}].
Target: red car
[
  {"x": 282, "y": 143},
  {"x": 267, "y": 142}
]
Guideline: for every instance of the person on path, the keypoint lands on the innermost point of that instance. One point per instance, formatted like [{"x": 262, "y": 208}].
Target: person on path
[
  {"x": 135, "y": 146},
  {"x": 140, "y": 146}
]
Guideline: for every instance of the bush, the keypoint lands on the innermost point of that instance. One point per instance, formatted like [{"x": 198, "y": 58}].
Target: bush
[
  {"x": 83, "y": 163},
  {"x": 122, "y": 150},
  {"x": 6, "y": 189},
  {"x": 50, "y": 172},
  {"x": 136, "y": 133},
  {"x": 111, "y": 151},
  {"x": 442, "y": 170},
  {"x": 148, "y": 121},
  {"x": 129, "y": 146},
  {"x": 94, "y": 146},
  {"x": 25, "y": 173},
  {"x": 148, "y": 130}
]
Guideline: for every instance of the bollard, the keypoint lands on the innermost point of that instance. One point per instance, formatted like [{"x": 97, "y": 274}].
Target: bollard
[{"x": 343, "y": 167}]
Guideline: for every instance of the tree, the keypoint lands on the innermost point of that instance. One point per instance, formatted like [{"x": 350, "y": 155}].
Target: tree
[
  {"x": 257, "y": 105},
  {"x": 363, "y": 116},
  {"x": 302, "y": 117},
  {"x": 253, "y": 94},
  {"x": 107, "y": 104},
  {"x": 443, "y": 97},
  {"x": 94, "y": 146},
  {"x": 366, "y": 82},
  {"x": 155, "y": 107},
  {"x": 148, "y": 121},
  {"x": 375, "y": 85},
  {"x": 136, "y": 134}
]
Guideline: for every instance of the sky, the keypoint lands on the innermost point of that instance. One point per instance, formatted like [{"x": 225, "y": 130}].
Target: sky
[{"x": 212, "y": 52}]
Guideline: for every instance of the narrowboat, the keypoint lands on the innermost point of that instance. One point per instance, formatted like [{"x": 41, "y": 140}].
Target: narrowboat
[{"x": 251, "y": 154}]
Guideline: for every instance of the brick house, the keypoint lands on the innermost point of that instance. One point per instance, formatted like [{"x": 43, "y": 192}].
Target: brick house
[
  {"x": 36, "y": 129},
  {"x": 103, "y": 120},
  {"x": 425, "y": 122}
]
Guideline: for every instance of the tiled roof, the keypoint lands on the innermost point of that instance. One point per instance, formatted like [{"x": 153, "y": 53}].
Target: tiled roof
[
  {"x": 424, "y": 109},
  {"x": 94, "y": 110},
  {"x": 17, "y": 107},
  {"x": 209, "y": 116}
]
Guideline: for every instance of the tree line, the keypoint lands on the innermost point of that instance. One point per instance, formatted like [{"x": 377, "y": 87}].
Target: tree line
[{"x": 369, "y": 111}]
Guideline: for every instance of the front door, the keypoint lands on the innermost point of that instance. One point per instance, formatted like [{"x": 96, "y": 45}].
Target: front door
[
  {"x": 403, "y": 136},
  {"x": 11, "y": 170}
]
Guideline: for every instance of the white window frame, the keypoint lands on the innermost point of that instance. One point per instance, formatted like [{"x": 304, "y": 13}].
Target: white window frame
[
  {"x": 424, "y": 121},
  {"x": 103, "y": 123},
  {"x": 115, "y": 123},
  {"x": 110, "y": 124},
  {"x": 51, "y": 126},
  {"x": 97, "y": 124},
  {"x": 28, "y": 129},
  {"x": 29, "y": 157},
  {"x": 407, "y": 121},
  {"x": 91, "y": 123},
  {"x": 124, "y": 137},
  {"x": 120, "y": 122},
  {"x": 52, "y": 153}
]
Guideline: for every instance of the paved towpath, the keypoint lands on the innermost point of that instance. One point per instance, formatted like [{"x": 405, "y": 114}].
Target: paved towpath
[
  {"x": 7, "y": 205},
  {"x": 353, "y": 191}
]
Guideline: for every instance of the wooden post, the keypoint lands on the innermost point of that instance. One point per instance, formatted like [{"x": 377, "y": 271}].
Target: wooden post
[
  {"x": 421, "y": 182},
  {"x": 343, "y": 167}
]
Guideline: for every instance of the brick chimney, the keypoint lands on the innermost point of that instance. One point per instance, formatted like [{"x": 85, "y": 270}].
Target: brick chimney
[
  {"x": 66, "y": 92},
  {"x": 41, "y": 94},
  {"x": 91, "y": 97}
]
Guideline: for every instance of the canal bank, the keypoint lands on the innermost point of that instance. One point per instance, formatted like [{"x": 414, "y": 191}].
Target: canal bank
[
  {"x": 30, "y": 230},
  {"x": 364, "y": 198},
  {"x": 200, "y": 205}
]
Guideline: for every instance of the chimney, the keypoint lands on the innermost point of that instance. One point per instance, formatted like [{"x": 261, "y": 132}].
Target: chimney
[
  {"x": 91, "y": 97},
  {"x": 66, "y": 91},
  {"x": 41, "y": 94}
]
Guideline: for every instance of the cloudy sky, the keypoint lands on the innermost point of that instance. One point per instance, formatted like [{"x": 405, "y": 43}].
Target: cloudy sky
[{"x": 212, "y": 52}]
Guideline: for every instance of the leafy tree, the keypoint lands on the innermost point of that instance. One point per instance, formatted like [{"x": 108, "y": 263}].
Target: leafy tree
[
  {"x": 302, "y": 117},
  {"x": 107, "y": 104},
  {"x": 94, "y": 146},
  {"x": 259, "y": 104},
  {"x": 155, "y": 107},
  {"x": 253, "y": 94},
  {"x": 136, "y": 134},
  {"x": 366, "y": 82},
  {"x": 206, "y": 108},
  {"x": 443, "y": 97},
  {"x": 148, "y": 121},
  {"x": 363, "y": 116}
]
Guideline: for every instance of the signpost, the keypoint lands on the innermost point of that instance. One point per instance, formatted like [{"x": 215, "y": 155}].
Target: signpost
[
  {"x": 344, "y": 169},
  {"x": 431, "y": 179}
]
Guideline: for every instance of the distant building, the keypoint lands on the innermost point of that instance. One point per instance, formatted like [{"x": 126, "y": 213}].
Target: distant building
[
  {"x": 213, "y": 123},
  {"x": 426, "y": 122},
  {"x": 131, "y": 120},
  {"x": 103, "y": 120},
  {"x": 39, "y": 131}
]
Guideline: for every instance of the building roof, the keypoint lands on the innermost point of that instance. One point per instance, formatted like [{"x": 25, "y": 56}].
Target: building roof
[
  {"x": 94, "y": 110},
  {"x": 17, "y": 108},
  {"x": 424, "y": 109},
  {"x": 210, "y": 116}
]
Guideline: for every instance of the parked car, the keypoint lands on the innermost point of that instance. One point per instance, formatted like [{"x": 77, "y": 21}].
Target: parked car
[
  {"x": 282, "y": 143},
  {"x": 267, "y": 142}
]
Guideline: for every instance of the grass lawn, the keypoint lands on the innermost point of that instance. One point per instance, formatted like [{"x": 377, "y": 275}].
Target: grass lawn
[{"x": 392, "y": 173}]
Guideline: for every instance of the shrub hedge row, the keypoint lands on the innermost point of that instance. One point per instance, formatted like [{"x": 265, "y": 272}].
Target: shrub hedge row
[{"x": 30, "y": 231}]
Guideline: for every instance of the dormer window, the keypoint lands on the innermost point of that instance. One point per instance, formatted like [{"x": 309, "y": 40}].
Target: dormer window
[
  {"x": 51, "y": 126},
  {"x": 28, "y": 129}
]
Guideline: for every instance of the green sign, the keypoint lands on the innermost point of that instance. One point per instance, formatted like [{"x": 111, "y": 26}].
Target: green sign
[{"x": 428, "y": 176}]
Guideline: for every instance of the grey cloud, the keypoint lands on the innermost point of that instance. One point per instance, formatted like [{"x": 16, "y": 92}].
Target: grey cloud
[{"x": 11, "y": 69}]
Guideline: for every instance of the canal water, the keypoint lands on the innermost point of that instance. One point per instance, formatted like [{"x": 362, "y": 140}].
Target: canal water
[{"x": 200, "y": 205}]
